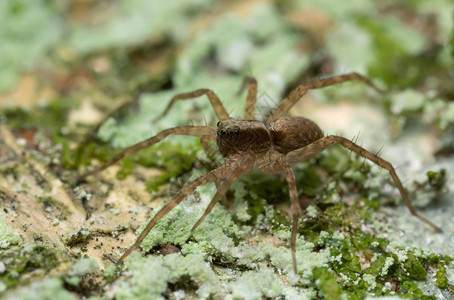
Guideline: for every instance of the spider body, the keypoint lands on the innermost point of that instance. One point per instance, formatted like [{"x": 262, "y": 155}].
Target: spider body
[
  {"x": 268, "y": 143},
  {"x": 273, "y": 147}
]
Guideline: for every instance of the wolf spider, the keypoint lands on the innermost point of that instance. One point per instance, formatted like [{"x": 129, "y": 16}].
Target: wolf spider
[{"x": 272, "y": 147}]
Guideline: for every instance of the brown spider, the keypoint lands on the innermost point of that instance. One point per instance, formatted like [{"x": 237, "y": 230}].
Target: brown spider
[{"x": 273, "y": 147}]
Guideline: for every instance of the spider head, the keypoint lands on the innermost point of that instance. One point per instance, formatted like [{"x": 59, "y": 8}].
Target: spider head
[{"x": 236, "y": 136}]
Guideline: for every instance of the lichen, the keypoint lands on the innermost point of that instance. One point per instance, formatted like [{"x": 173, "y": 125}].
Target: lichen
[
  {"x": 51, "y": 289},
  {"x": 148, "y": 277},
  {"x": 79, "y": 269},
  {"x": 256, "y": 285},
  {"x": 345, "y": 245},
  {"x": 7, "y": 236}
]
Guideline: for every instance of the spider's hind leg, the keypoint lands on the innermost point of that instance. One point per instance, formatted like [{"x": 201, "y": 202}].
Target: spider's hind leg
[
  {"x": 251, "y": 99},
  {"x": 321, "y": 144},
  {"x": 302, "y": 89},
  {"x": 296, "y": 210}
]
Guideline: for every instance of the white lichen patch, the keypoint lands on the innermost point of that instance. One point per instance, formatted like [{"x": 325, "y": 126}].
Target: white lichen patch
[
  {"x": 407, "y": 101},
  {"x": 370, "y": 280},
  {"x": 7, "y": 236},
  {"x": 46, "y": 289},
  {"x": 311, "y": 211},
  {"x": 388, "y": 263},
  {"x": 401, "y": 253},
  {"x": 256, "y": 285},
  {"x": 265, "y": 283},
  {"x": 306, "y": 259},
  {"x": 148, "y": 277}
]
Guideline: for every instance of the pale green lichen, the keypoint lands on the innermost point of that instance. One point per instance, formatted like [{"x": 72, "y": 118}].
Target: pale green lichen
[
  {"x": 447, "y": 116},
  {"x": 407, "y": 101},
  {"x": 51, "y": 289},
  {"x": 370, "y": 280},
  {"x": 27, "y": 31},
  {"x": 398, "y": 251},
  {"x": 311, "y": 211},
  {"x": 7, "y": 236},
  {"x": 79, "y": 269},
  {"x": 256, "y": 285},
  {"x": 148, "y": 278},
  {"x": 131, "y": 23},
  {"x": 389, "y": 261}
]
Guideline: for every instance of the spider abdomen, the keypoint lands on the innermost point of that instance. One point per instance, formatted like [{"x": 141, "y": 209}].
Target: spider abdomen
[{"x": 291, "y": 133}]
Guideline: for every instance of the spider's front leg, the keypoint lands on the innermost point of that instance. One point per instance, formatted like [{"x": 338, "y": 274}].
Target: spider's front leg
[
  {"x": 214, "y": 175},
  {"x": 322, "y": 143},
  {"x": 198, "y": 131},
  {"x": 229, "y": 171},
  {"x": 219, "y": 109}
]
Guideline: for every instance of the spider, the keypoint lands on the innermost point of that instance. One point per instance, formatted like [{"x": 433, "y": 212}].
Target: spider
[{"x": 273, "y": 147}]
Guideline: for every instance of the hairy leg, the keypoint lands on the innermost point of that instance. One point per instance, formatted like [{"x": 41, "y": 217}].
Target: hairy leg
[
  {"x": 204, "y": 139},
  {"x": 251, "y": 99},
  {"x": 219, "y": 109},
  {"x": 182, "y": 130},
  {"x": 301, "y": 90},
  {"x": 295, "y": 210},
  {"x": 118, "y": 106},
  {"x": 321, "y": 144},
  {"x": 210, "y": 150},
  {"x": 244, "y": 166},
  {"x": 214, "y": 175}
]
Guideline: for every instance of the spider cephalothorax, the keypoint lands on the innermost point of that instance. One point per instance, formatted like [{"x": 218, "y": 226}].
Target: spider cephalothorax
[
  {"x": 273, "y": 147},
  {"x": 235, "y": 136}
]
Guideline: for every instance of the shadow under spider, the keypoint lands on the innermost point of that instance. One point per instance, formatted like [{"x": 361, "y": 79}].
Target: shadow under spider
[{"x": 273, "y": 147}]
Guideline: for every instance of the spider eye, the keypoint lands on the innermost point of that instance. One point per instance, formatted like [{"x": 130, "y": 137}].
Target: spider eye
[{"x": 217, "y": 124}]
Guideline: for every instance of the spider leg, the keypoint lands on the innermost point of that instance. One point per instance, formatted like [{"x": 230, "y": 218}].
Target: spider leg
[
  {"x": 249, "y": 108},
  {"x": 213, "y": 175},
  {"x": 204, "y": 139},
  {"x": 219, "y": 109},
  {"x": 295, "y": 209},
  {"x": 302, "y": 89},
  {"x": 243, "y": 167},
  {"x": 321, "y": 144},
  {"x": 210, "y": 150},
  {"x": 181, "y": 130},
  {"x": 118, "y": 106}
]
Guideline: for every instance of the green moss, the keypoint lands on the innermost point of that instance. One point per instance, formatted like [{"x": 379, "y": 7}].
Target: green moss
[
  {"x": 411, "y": 290},
  {"x": 80, "y": 238},
  {"x": 441, "y": 278},
  {"x": 52, "y": 116},
  {"x": 329, "y": 289},
  {"x": 7, "y": 236},
  {"x": 414, "y": 267}
]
